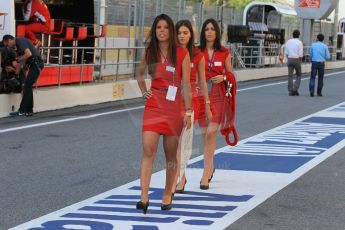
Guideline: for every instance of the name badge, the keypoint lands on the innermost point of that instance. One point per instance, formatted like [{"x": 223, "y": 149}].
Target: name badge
[
  {"x": 191, "y": 65},
  {"x": 170, "y": 69},
  {"x": 217, "y": 63},
  {"x": 171, "y": 94}
]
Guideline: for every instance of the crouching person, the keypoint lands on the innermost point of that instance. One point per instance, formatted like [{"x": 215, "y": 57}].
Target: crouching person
[{"x": 29, "y": 58}]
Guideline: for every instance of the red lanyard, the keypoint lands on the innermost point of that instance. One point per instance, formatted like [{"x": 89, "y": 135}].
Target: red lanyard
[{"x": 211, "y": 62}]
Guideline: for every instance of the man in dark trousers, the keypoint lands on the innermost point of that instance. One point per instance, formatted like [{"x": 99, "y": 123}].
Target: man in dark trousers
[
  {"x": 294, "y": 53},
  {"x": 319, "y": 54},
  {"x": 30, "y": 59}
]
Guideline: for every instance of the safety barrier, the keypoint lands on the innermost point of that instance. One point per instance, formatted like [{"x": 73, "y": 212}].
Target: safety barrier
[
  {"x": 104, "y": 64},
  {"x": 88, "y": 64}
]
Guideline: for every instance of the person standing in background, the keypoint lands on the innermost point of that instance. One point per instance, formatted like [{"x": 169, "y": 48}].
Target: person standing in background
[
  {"x": 37, "y": 16},
  {"x": 294, "y": 53},
  {"x": 218, "y": 71},
  {"x": 319, "y": 54},
  {"x": 185, "y": 38}
]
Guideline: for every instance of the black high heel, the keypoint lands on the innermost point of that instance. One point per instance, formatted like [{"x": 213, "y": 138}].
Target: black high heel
[
  {"x": 182, "y": 189},
  {"x": 143, "y": 206},
  {"x": 167, "y": 206},
  {"x": 209, "y": 180},
  {"x": 204, "y": 187}
]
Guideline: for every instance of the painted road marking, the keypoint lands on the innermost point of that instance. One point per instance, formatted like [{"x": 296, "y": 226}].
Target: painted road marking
[
  {"x": 246, "y": 175},
  {"x": 68, "y": 119},
  {"x": 129, "y": 109}
]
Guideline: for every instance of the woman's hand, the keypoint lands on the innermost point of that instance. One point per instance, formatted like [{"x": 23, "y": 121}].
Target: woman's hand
[
  {"x": 188, "y": 119},
  {"x": 217, "y": 79},
  {"x": 147, "y": 94}
]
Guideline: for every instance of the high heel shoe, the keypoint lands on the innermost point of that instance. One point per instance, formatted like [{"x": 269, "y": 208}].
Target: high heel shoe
[
  {"x": 143, "y": 206},
  {"x": 182, "y": 189},
  {"x": 204, "y": 186},
  {"x": 167, "y": 206},
  {"x": 209, "y": 180}
]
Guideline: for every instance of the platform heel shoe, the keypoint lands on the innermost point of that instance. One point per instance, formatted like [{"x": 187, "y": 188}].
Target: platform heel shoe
[{"x": 143, "y": 206}]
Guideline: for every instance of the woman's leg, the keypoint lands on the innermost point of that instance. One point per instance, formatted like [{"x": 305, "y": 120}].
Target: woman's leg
[
  {"x": 150, "y": 143},
  {"x": 176, "y": 184},
  {"x": 209, "y": 148},
  {"x": 170, "y": 144}
]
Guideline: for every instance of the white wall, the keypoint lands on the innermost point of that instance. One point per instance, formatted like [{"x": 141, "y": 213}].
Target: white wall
[{"x": 7, "y": 6}]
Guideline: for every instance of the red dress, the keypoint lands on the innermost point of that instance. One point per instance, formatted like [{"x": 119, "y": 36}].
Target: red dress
[
  {"x": 197, "y": 57},
  {"x": 215, "y": 65},
  {"x": 161, "y": 115}
]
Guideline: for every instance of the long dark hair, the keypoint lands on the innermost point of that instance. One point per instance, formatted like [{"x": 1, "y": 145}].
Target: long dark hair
[
  {"x": 152, "y": 50},
  {"x": 190, "y": 45},
  {"x": 217, "y": 44}
]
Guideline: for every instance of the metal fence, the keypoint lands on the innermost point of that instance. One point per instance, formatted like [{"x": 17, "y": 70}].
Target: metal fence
[{"x": 114, "y": 64}]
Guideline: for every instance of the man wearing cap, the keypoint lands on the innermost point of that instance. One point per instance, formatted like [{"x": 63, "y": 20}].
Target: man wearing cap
[
  {"x": 294, "y": 53},
  {"x": 30, "y": 59}
]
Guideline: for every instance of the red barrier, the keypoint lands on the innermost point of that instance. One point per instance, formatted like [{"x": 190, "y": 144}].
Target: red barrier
[{"x": 69, "y": 74}]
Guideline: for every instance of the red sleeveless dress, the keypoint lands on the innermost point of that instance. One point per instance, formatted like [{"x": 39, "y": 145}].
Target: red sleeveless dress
[
  {"x": 161, "y": 115},
  {"x": 215, "y": 65},
  {"x": 197, "y": 57}
]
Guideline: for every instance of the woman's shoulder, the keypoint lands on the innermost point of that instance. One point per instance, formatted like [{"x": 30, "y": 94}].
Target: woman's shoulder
[
  {"x": 181, "y": 49},
  {"x": 181, "y": 52}
]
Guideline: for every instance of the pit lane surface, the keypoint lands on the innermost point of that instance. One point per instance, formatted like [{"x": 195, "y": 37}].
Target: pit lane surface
[{"x": 48, "y": 165}]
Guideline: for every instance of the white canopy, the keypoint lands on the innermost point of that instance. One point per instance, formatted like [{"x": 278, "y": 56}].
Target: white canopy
[{"x": 281, "y": 9}]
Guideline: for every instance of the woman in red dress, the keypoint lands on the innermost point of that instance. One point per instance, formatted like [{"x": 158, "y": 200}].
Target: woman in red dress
[
  {"x": 217, "y": 68},
  {"x": 165, "y": 110},
  {"x": 185, "y": 38}
]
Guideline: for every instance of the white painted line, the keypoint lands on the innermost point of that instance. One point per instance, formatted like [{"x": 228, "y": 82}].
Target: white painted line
[
  {"x": 68, "y": 119},
  {"x": 283, "y": 82},
  {"x": 241, "y": 182},
  {"x": 126, "y": 110}
]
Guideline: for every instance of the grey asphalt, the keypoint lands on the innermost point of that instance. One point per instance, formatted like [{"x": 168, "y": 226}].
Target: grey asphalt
[{"x": 43, "y": 169}]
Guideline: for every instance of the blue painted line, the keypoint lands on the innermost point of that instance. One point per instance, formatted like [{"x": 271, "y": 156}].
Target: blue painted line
[
  {"x": 326, "y": 120},
  {"x": 59, "y": 225},
  {"x": 326, "y": 143},
  {"x": 192, "y": 196},
  {"x": 142, "y": 227},
  {"x": 282, "y": 143},
  {"x": 152, "y": 211},
  {"x": 198, "y": 222},
  {"x": 252, "y": 147},
  {"x": 184, "y": 206},
  {"x": 243, "y": 162},
  {"x": 122, "y": 218},
  {"x": 331, "y": 140}
]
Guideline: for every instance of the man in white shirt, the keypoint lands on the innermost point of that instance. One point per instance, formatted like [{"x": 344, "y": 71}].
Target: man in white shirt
[{"x": 294, "y": 53}]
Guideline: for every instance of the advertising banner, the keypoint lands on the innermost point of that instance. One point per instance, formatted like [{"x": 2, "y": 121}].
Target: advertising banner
[{"x": 309, "y": 3}]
